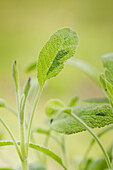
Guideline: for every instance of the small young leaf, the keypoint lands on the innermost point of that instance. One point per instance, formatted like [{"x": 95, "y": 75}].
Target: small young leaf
[
  {"x": 31, "y": 67},
  {"x": 59, "y": 48},
  {"x": 73, "y": 102},
  {"x": 42, "y": 131},
  {"x": 2, "y": 102},
  {"x": 103, "y": 82},
  {"x": 107, "y": 88},
  {"x": 27, "y": 87},
  {"x": 53, "y": 107},
  {"x": 107, "y": 60},
  {"x": 63, "y": 123},
  {"x": 96, "y": 100},
  {"x": 15, "y": 75}
]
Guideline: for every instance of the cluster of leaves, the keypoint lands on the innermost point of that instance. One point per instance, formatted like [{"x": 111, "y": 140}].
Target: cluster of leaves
[{"x": 64, "y": 119}]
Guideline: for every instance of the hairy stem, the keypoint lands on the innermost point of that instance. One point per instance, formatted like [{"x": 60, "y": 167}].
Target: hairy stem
[
  {"x": 12, "y": 137},
  {"x": 31, "y": 118},
  {"x": 94, "y": 136}
]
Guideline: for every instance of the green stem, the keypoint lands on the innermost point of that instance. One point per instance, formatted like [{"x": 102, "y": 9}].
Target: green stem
[
  {"x": 93, "y": 140},
  {"x": 95, "y": 137},
  {"x": 25, "y": 165},
  {"x": 22, "y": 145},
  {"x": 31, "y": 118},
  {"x": 64, "y": 151},
  {"x": 12, "y": 137}
]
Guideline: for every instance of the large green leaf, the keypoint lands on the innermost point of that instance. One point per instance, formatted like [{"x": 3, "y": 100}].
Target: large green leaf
[
  {"x": 39, "y": 148},
  {"x": 93, "y": 115},
  {"x": 60, "y": 47},
  {"x": 108, "y": 65}
]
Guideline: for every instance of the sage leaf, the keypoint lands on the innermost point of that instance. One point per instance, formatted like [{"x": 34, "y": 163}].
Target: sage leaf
[
  {"x": 41, "y": 130},
  {"x": 107, "y": 60},
  {"x": 43, "y": 149},
  {"x": 53, "y": 106},
  {"x": 73, "y": 102},
  {"x": 31, "y": 67},
  {"x": 96, "y": 100},
  {"x": 59, "y": 48},
  {"x": 15, "y": 75},
  {"x": 49, "y": 153},
  {"x": 2, "y": 102},
  {"x": 64, "y": 123}
]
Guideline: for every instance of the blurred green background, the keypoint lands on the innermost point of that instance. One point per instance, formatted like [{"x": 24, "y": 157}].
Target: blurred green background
[{"x": 25, "y": 26}]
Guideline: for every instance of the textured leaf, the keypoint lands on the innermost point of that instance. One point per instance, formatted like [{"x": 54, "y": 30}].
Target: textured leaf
[
  {"x": 53, "y": 106},
  {"x": 93, "y": 115},
  {"x": 39, "y": 148},
  {"x": 107, "y": 60},
  {"x": 86, "y": 68},
  {"x": 96, "y": 100},
  {"x": 60, "y": 47}
]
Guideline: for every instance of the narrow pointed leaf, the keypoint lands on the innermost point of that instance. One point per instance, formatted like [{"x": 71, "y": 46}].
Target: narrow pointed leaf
[
  {"x": 96, "y": 100},
  {"x": 60, "y": 47},
  {"x": 107, "y": 60},
  {"x": 42, "y": 131},
  {"x": 39, "y": 148},
  {"x": 48, "y": 152},
  {"x": 93, "y": 115},
  {"x": 31, "y": 67},
  {"x": 73, "y": 102}
]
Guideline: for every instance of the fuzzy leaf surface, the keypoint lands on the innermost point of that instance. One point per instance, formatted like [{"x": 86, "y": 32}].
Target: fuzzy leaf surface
[
  {"x": 60, "y": 47},
  {"x": 93, "y": 115}
]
